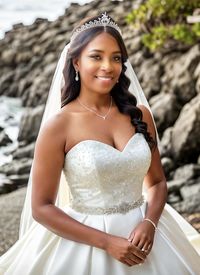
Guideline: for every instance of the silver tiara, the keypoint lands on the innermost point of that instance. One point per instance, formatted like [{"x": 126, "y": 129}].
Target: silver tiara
[{"x": 104, "y": 21}]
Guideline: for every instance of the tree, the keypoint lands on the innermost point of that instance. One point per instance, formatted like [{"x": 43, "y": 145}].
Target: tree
[{"x": 164, "y": 23}]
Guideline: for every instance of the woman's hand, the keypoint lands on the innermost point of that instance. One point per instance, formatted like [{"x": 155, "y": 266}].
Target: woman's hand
[
  {"x": 142, "y": 236},
  {"x": 124, "y": 251}
]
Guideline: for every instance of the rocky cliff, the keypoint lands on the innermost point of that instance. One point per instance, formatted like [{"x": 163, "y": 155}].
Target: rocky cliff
[{"x": 171, "y": 81}]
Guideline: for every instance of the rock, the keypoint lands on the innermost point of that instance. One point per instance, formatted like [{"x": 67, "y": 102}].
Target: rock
[
  {"x": 191, "y": 59},
  {"x": 165, "y": 144},
  {"x": 173, "y": 198},
  {"x": 187, "y": 172},
  {"x": 13, "y": 89},
  {"x": 190, "y": 191},
  {"x": 6, "y": 185},
  {"x": 19, "y": 180},
  {"x": 8, "y": 57},
  {"x": 30, "y": 124},
  {"x": 49, "y": 70},
  {"x": 18, "y": 26},
  {"x": 165, "y": 110},
  {"x": 4, "y": 139},
  {"x": 21, "y": 73},
  {"x": 50, "y": 58},
  {"x": 197, "y": 71},
  {"x": 198, "y": 85},
  {"x": 24, "y": 152},
  {"x": 185, "y": 134},
  {"x": 23, "y": 85},
  {"x": 175, "y": 185},
  {"x": 193, "y": 219},
  {"x": 136, "y": 59},
  {"x": 184, "y": 88},
  {"x": 150, "y": 78},
  {"x": 133, "y": 44},
  {"x": 48, "y": 34},
  {"x": 22, "y": 57},
  {"x": 16, "y": 167},
  {"x": 9, "y": 150},
  {"x": 37, "y": 93},
  {"x": 5, "y": 81},
  {"x": 189, "y": 205},
  {"x": 178, "y": 78},
  {"x": 168, "y": 165}
]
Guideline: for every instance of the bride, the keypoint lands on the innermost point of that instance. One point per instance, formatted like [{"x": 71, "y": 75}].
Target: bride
[{"x": 96, "y": 196}]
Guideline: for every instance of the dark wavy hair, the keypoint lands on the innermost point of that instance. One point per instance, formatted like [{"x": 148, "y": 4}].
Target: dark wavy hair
[{"x": 125, "y": 101}]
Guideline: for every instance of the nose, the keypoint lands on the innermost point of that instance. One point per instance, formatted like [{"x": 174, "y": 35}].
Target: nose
[{"x": 106, "y": 65}]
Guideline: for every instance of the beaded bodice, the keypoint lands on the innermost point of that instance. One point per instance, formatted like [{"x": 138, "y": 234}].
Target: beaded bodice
[{"x": 101, "y": 177}]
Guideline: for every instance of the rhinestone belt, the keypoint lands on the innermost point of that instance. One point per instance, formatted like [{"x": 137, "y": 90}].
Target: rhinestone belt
[{"x": 121, "y": 208}]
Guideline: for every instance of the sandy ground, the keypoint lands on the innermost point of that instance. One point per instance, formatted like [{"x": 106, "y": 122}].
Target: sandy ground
[{"x": 10, "y": 212}]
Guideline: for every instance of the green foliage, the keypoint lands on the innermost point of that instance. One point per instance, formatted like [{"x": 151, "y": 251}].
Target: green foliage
[
  {"x": 196, "y": 29},
  {"x": 164, "y": 21}
]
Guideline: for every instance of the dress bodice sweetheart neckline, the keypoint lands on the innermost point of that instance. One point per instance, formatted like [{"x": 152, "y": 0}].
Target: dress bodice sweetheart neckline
[{"x": 103, "y": 144}]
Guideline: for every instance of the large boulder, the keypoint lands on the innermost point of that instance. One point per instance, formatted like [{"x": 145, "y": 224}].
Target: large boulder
[
  {"x": 179, "y": 74},
  {"x": 165, "y": 110},
  {"x": 185, "y": 134},
  {"x": 30, "y": 124},
  {"x": 165, "y": 143},
  {"x": 5, "y": 81},
  {"x": 190, "y": 191},
  {"x": 17, "y": 167},
  {"x": 26, "y": 151},
  {"x": 4, "y": 139},
  {"x": 189, "y": 205},
  {"x": 6, "y": 185},
  {"x": 149, "y": 74},
  {"x": 187, "y": 172}
]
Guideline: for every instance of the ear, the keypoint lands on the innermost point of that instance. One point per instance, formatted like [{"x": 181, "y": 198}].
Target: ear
[{"x": 75, "y": 63}]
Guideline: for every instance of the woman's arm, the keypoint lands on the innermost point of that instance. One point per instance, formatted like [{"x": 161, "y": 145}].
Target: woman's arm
[
  {"x": 142, "y": 236},
  {"x": 47, "y": 166},
  {"x": 155, "y": 180}
]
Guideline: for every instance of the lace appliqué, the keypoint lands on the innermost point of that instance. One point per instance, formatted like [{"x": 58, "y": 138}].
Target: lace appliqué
[{"x": 123, "y": 208}]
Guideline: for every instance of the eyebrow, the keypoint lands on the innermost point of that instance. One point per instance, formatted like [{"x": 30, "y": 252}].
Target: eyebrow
[{"x": 95, "y": 50}]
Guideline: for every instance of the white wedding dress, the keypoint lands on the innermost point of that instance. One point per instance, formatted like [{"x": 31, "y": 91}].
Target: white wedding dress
[{"x": 106, "y": 193}]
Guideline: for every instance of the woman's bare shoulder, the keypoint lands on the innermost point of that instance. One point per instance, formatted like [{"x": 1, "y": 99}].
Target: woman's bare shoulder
[
  {"x": 57, "y": 125},
  {"x": 54, "y": 124},
  {"x": 59, "y": 120},
  {"x": 145, "y": 112}
]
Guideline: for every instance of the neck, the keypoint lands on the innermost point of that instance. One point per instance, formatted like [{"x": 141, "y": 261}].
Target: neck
[{"x": 96, "y": 102}]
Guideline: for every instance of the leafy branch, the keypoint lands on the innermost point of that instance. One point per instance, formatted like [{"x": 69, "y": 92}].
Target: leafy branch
[{"x": 164, "y": 22}]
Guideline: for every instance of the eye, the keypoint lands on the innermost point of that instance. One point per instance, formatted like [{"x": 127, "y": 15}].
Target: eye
[
  {"x": 97, "y": 57},
  {"x": 117, "y": 58}
]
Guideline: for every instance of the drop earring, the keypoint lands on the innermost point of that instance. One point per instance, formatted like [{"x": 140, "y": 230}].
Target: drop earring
[{"x": 76, "y": 77}]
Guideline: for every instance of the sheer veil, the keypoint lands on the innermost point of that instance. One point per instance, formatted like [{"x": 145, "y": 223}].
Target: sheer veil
[{"x": 53, "y": 105}]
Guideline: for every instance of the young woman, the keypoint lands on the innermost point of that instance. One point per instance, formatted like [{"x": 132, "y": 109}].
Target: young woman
[{"x": 103, "y": 140}]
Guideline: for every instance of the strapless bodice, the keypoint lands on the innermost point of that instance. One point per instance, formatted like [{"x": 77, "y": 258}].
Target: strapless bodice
[{"x": 102, "y": 177}]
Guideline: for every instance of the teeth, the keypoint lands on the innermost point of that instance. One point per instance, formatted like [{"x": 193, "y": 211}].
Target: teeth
[{"x": 101, "y": 77}]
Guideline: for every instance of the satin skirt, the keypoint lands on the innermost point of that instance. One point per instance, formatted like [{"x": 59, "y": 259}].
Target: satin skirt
[{"x": 41, "y": 252}]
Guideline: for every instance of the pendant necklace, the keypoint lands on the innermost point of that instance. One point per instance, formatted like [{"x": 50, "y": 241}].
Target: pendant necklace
[{"x": 91, "y": 110}]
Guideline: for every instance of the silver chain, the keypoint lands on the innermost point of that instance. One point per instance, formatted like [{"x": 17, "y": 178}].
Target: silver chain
[{"x": 91, "y": 110}]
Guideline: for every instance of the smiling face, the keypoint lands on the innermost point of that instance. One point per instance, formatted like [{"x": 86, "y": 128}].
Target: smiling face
[{"x": 99, "y": 64}]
